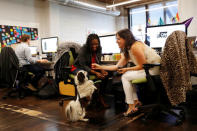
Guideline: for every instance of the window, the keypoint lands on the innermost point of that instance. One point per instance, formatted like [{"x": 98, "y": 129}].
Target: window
[
  {"x": 171, "y": 12},
  {"x": 156, "y": 14},
  {"x": 138, "y": 22},
  {"x": 152, "y": 14}
]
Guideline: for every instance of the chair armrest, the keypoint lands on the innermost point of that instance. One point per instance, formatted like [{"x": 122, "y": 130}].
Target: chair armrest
[
  {"x": 148, "y": 76},
  {"x": 192, "y": 74},
  {"x": 151, "y": 65},
  {"x": 148, "y": 66},
  {"x": 67, "y": 68}
]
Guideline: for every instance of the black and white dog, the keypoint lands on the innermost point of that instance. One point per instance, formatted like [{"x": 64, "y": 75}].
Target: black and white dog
[{"x": 74, "y": 110}]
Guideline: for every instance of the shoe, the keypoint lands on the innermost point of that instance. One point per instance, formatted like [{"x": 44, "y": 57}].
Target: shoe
[
  {"x": 106, "y": 106},
  {"x": 132, "y": 113},
  {"x": 138, "y": 105},
  {"x": 31, "y": 87}
]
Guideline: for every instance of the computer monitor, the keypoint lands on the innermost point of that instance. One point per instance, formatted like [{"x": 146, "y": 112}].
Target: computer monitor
[
  {"x": 156, "y": 35},
  {"x": 108, "y": 44},
  {"x": 33, "y": 50},
  {"x": 49, "y": 45}
]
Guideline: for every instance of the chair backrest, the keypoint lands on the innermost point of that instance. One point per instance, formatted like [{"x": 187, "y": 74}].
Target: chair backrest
[
  {"x": 66, "y": 60},
  {"x": 177, "y": 62},
  {"x": 9, "y": 64}
]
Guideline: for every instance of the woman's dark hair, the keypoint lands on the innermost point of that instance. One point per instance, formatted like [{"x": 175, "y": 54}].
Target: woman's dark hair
[
  {"x": 25, "y": 37},
  {"x": 127, "y": 35},
  {"x": 89, "y": 40}
]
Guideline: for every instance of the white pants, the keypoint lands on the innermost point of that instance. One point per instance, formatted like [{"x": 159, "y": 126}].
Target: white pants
[{"x": 129, "y": 89}]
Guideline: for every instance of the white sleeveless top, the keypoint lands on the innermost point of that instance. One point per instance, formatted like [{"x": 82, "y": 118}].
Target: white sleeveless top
[{"x": 151, "y": 57}]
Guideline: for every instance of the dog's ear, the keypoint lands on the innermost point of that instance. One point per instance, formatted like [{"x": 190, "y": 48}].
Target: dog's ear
[{"x": 81, "y": 77}]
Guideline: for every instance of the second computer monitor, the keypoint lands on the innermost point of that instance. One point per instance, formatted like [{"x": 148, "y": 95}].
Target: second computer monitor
[
  {"x": 109, "y": 45},
  {"x": 49, "y": 45}
]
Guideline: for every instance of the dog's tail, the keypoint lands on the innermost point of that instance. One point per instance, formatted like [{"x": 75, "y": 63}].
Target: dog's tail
[{"x": 68, "y": 112}]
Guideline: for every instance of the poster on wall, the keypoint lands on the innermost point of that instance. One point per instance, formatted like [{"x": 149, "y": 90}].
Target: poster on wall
[{"x": 12, "y": 34}]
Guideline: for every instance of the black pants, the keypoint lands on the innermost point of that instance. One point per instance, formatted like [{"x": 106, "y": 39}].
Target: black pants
[{"x": 37, "y": 70}]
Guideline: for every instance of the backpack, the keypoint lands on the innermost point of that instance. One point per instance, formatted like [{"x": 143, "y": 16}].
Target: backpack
[{"x": 49, "y": 90}]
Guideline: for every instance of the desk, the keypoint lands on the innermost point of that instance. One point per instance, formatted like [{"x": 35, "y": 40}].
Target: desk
[
  {"x": 129, "y": 64},
  {"x": 48, "y": 67},
  {"x": 109, "y": 62}
]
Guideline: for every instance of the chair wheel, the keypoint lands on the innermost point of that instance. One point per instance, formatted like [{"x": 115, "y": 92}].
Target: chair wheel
[
  {"x": 182, "y": 115},
  {"x": 61, "y": 103},
  {"x": 144, "y": 120},
  {"x": 4, "y": 97},
  {"x": 178, "y": 122}
]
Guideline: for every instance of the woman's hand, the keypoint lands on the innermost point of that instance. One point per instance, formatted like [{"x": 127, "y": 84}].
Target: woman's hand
[
  {"x": 105, "y": 73},
  {"x": 99, "y": 75},
  {"x": 95, "y": 66},
  {"x": 42, "y": 61},
  {"x": 122, "y": 70}
]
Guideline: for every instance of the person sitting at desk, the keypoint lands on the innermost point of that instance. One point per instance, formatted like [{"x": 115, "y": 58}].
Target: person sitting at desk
[
  {"x": 139, "y": 53},
  {"x": 88, "y": 54},
  {"x": 27, "y": 61}
]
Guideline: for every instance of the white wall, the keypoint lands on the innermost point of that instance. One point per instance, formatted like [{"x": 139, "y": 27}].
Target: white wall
[
  {"x": 187, "y": 9},
  {"x": 73, "y": 24},
  {"x": 51, "y": 19}
]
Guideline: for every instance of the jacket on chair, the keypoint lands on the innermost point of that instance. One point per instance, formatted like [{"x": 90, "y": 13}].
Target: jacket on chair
[
  {"x": 9, "y": 65},
  {"x": 177, "y": 62}
]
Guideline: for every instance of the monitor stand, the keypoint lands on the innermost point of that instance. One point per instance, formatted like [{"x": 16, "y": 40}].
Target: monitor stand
[{"x": 49, "y": 56}]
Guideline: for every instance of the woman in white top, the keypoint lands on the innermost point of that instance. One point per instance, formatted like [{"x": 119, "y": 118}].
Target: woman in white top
[{"x": 139, "y": 53}]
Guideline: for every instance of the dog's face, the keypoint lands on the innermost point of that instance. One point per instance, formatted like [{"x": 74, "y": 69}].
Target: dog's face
[{"x": 81, "y": 77}]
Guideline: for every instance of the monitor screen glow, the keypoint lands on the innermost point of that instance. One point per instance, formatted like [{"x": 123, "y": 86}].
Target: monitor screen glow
[
  {"x": 33, "y": 50},
  {"x": 49, "y": 45},
  {"x": 109, "y": 45},
  {"x": 157, "y": 35}
]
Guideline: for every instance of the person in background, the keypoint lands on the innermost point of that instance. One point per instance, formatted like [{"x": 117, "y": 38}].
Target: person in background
[
  {"x": 28, "y": 62},
  {"x": 139, "y": 53},
  {"x": 91, "y": 53}
]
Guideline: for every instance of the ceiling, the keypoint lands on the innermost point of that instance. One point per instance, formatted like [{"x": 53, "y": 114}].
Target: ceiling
[{"x": 109, "y": 2}]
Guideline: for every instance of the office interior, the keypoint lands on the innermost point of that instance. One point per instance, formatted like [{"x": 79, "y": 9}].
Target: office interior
[{"x": 52, "y": 23}]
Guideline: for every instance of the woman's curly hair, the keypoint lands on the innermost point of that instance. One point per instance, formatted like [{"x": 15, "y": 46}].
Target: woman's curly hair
[{"x": 89, "y": 40}]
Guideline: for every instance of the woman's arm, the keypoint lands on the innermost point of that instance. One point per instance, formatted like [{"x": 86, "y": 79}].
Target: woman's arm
[
  {"x": 138, "y": 52},
  {"x": 120, "y": 63}
]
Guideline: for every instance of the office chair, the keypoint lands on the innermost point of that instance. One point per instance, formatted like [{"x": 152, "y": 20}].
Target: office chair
[
  {"x": 9, "y": 65},
  {"x": 154, "y": 97},
  {"x": 12, "y": 76},
  {"x": 157, "y": 89},
  {"x": 64, "y": 77},
  {"x": 62, "y": 66}
]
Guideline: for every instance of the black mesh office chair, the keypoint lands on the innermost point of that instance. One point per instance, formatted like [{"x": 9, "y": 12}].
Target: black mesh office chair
[
  {"x": 155, "y": 100},
  {"x": 11, "y": 75},
  {"x": 177, "y": 65},
  {"x": 9, "y": 65}
]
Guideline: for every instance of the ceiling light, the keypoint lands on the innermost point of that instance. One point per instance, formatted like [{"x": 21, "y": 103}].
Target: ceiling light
[
  {"x": 89, "y": 5},
  {"x": 122, "y": 3}
]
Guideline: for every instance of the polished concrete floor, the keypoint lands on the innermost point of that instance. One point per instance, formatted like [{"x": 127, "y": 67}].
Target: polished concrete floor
[{"x": 34, "y": 114}]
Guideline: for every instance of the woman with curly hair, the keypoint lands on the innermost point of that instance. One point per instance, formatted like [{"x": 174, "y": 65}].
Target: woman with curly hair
[{"x": 91, "y": 53}]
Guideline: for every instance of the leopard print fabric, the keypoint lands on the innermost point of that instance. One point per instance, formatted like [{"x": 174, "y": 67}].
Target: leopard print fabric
[{"x": 177, "y": 61}]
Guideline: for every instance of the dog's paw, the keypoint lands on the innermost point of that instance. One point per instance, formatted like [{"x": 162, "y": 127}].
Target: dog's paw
[{"x": 84, "y": 119}]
